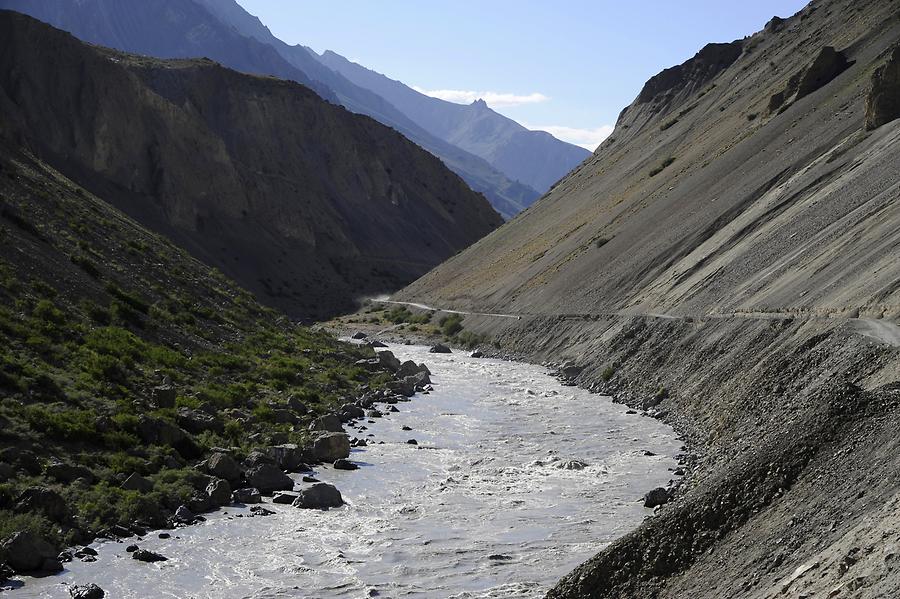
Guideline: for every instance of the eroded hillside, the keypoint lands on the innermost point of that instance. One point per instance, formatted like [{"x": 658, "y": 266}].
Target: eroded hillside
[{"x": 300, "y": 201}]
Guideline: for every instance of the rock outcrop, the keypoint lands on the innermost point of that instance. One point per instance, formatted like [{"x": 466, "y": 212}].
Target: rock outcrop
[{"x": 883, "y": 102}]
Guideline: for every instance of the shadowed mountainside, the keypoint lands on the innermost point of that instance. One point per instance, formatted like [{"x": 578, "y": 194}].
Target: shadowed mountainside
[
  {"x": 729, "y": 261},
  {"x": 304, "y": 203},
  {"x": 222, "y": 31}
]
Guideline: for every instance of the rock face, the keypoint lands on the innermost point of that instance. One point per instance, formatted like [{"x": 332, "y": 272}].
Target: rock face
[
  {"x": 290, "y": 186},
  {"x": 269, "y": 478},
  {"x": 828, "y": 64},
  {"x": 28, "y": 552},
  {"x": 883, "y": 102},
  {"x": 319, "y": 496},
  {"x": 329, "y": 447}
]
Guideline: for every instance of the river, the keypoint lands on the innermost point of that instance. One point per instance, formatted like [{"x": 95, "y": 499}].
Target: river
[{"x": 483, "y": 506}]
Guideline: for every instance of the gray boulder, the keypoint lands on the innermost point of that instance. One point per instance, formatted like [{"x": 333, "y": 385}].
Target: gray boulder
[
  {"x": 29, "y": 552},
  {"x": 136, "y": 482},
  {"x": 185, "y": 515},
  {"x": 329, "y": 422},
  {"x": 86, "y": 591},
  {"x": 223, "y": 466},
  {"x": 160, "y": 432},
  {"x": 257, "y": 458},
  {"x": 142, "y": 555},
  {"x": 658, "y": 496},
  {"x": 284, "y": 497},
  {"x": 68, "y": 473},
  {"x": 164, "y": 396},
  {"x": 268, "y": 478},
  {"x": 247, "y": 496},
  {"x": 284, "y": 416},
  {"x": 297, "y": 405},
  {"x": 319, "y": 496},
  {"x": 440, "y": 348},
  {"x": 350, "y": 411},
  {"x": 197, "y": 421},
  {"x": 343, "y": 464},
  {"x": 219, "y": 492},
  {"x": 387, "y": 360},
  {"x": 477, "y": 354},
  {"x": 287, "y": 456},
  {"x": 328, "y": 447},
  {"x": 410, "y": 368},
  {"x": 44, "y": 501}
]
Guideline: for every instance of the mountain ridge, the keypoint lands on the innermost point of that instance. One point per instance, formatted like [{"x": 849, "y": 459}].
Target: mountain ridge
[{"x": 307, "y": 205}]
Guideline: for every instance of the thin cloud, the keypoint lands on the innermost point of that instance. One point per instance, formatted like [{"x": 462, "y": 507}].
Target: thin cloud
[
  {"x": 495, "y": 99},
  {"x": 588, "y": 139}
]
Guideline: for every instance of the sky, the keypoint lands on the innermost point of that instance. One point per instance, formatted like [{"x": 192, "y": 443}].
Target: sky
[{"x": 563, "y": 66}]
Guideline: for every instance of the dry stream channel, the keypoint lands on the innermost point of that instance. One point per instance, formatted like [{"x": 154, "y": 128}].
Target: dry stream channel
[{"x": 515, "y": 480}]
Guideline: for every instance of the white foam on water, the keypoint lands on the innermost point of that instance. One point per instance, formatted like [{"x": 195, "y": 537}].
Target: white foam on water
[{"x": 488, "y": 505}]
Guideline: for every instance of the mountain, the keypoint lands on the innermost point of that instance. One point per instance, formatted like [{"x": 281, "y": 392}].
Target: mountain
[
  {"x": 508, "y": 194},
  {"x": 534, "y": 158},
  {"x": 302, "y": 202},
  {"x": 729, "y": 261}
]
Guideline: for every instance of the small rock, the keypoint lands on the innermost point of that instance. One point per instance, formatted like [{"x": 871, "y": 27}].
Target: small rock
[
  {"x": 247, "y": 496},
  {"x": 658, "y": 496},
  {"x": 358, "y": 335},
  {"x": 412, "y": 442},
  {"x": 131, "y": 548},
  {"x": 284, "y": 497},
  {"x": 142, "y": 555},
  {"x": 86, "y": 591},
  {"x": 405, "y": 428},
  {"x": 343, "y": 464},
  {"x": 165, "y": 535},
  {"x": 476, "y": 354},
  {"x": 86, "y": 551}
]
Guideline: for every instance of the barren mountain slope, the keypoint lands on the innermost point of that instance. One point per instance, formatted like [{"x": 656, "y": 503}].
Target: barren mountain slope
[
  {"x": 729, "y": 260},
  {"x": 304, "y": 203}
]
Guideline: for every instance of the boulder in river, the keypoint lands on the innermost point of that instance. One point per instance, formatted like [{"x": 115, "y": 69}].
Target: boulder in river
[
  {"x": 351, "y": 411},
  {"x": 343, "y": 464},
  {"x": 387, "y": 360},
  {"x": 410, "y": 368},
  {"x": 440, "y": 348},
  {"x": 358, "y": 335},
  {"x": 219, "y": 492},
  {"x": 284, "y": 497},
  {"x": 246, "y": 496},
  {"x": 319, "y": 496},
  {"x": 477, "y": 354},
  {"x": 287, "y": 456},
  {"x": 658, "y": 496},
  {"x": 29, "y": 552},
  {"x": 269, "y": 478},
  {"x": 329, "y": 422},
  {"x": 375, "y": 343},
  {"x": 223, "y": 466},
  {"x": 86, "y": 591},
  {"x": 143, "y": 555},
  {"x": 328, "y": 447}
]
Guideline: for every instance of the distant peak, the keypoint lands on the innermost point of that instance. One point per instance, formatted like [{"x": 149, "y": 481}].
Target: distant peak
[{"x": 479, "y": 103}]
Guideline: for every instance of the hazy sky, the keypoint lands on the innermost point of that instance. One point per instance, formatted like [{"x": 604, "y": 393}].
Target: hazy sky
[{"x": 566, "y": 66}]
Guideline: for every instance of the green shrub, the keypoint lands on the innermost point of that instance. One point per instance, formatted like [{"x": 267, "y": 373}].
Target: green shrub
[
  {"x": 665, "y": 163},
  {"x": 451, "y": 324},
  {"x": 66, "y": 424},
  {"x": 86, "y": 265},
  {"x": 607, "y": 373}
]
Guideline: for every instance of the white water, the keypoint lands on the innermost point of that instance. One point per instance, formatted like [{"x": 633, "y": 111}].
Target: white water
[{"x": 423, "y": 521}]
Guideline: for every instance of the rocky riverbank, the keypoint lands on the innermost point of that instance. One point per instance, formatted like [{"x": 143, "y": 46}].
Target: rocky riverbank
[{"x": 229, "y": 477}]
